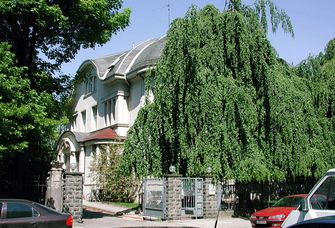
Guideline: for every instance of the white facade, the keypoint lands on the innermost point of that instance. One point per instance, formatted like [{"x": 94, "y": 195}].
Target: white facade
[{"x": 108, "y": 95}]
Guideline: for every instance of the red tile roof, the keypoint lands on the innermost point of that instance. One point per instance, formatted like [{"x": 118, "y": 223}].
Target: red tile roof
[{"x": 106, "y": 133}]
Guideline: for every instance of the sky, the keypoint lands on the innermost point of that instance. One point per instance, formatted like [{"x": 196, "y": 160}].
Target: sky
[{"x": 313, "y": 23}]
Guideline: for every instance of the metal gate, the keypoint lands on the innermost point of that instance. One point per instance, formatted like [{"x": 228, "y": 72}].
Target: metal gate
[
  {"x": 192, "y": 197},
  {"x": 154, "y": 198},
  {"x": 229, "y": 197}
]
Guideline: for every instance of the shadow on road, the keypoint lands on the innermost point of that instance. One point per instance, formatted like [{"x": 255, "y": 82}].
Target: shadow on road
[{"x": 92, "y": 214}]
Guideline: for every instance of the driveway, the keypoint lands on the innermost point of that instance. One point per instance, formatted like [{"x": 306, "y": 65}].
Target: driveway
[{"x": 99, "y": 219}]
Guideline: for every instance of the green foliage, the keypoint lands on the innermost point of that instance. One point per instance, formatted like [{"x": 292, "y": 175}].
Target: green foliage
[
  {"x": 320, "y": 74},
  {"x": 57, "y": 29},
  {"x": 205, "y": 104},
  {"x": 43, "y": 34},
  {"x": 330, "y": 50},
  {"x": 143, "y": 141},
  {"x": 260, "y": 9},
  {"x": 125, "y": 204},
  {"x": 277, "y": 16},
  {"x": 24, "y": 112},
  {"x": 114, "y": 186},
  {"x": 223, "y": 99},
  {"x": 13, "y": 109}
]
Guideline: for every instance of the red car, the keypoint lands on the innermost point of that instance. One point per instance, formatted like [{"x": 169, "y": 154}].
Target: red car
[{"x": 274, "y": 216}]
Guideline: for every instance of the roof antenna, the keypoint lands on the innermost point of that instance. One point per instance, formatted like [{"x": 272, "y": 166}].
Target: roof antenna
[{"x": 168, "y": 6}]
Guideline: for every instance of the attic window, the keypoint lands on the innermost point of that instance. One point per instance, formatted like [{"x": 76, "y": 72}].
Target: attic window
[
  {"x": 90, "y": 84},
  {"x": 111, "y": 67}
]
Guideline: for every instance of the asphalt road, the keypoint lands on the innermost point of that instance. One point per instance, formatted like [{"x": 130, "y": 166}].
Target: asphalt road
[{"x": 101, "y": 220}]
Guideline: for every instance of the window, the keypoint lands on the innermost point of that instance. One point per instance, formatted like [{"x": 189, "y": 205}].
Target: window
[
  {"x": 90, "y": 84},
  {"x": 109, "y": 112},
  {"x": 95, "y": 116},
  {"x": 20, "y": 210},
  {"x": 83, "y": 117},
  {"x": 74, "y": 122},
  {"x": 324, "y": 197},
  {"x": 113, "y": 103}
]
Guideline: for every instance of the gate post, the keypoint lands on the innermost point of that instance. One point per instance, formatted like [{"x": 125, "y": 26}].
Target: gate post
[
  {"x": 73, "y": 195},
  {"x": 54, "y": 193},
  {"x": 173, "y": 185},
  {"x": 210, "y": 198}
]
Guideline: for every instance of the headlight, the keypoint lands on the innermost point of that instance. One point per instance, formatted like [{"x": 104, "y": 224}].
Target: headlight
[
  {"x": 253, "y": 217},
  {"x": 277, "y": 216}
]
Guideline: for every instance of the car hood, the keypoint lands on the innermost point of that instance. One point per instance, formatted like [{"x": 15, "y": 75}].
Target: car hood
[{"x": 271, "y": 211}]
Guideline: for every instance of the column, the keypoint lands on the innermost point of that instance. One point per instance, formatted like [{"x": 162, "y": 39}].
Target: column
[
  {"x": 54, "y": 194},
  {"x": 81, "y": 167}
]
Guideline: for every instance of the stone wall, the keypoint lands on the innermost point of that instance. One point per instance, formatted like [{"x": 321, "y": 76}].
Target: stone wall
[
  {"x": 65, "y": 192},
  {"x": 210, "y": 198},
  {"x": 173, "y": 197},
  {"x": 73, "y": 195}
]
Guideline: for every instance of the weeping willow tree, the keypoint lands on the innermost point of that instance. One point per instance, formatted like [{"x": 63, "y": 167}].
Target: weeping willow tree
[
  {"x": 223, "y": 100},
  {"x": 319, "y": 72}
]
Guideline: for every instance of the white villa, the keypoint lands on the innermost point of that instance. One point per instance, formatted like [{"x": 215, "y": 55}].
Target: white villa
[{"x": 105, "y": 104}]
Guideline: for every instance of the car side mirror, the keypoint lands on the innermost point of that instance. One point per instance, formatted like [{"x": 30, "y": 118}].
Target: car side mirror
[{"x": 303, "y": 206}]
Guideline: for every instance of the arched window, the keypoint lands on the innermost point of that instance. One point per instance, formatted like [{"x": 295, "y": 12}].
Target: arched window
[{"x": 90, "y": 81}]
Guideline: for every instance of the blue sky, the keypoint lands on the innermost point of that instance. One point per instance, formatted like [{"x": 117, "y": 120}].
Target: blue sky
[{"x": 313, "y": 23}]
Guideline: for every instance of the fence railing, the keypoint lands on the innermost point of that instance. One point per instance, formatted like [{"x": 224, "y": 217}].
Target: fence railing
[{"x": 192, "y": 197}]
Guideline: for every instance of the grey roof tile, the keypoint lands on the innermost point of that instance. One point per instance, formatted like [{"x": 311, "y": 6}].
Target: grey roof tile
[{"x": 149, "y": 56}]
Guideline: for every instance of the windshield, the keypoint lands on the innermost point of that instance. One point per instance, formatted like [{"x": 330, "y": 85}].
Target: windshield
[{"x": 288, "y": 202}]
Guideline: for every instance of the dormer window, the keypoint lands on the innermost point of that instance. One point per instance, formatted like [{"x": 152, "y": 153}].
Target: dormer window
[
  {"x": 90, "y": 84},
  {"x": 89, "y": 75},
  {"x": 74, "y": 122}
]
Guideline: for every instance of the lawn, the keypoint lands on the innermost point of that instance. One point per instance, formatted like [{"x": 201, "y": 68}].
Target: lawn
[{"x": 124, "y": 204}]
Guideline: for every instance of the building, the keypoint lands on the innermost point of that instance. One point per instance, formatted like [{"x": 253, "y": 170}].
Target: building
[{"x": 108, "y": 95}]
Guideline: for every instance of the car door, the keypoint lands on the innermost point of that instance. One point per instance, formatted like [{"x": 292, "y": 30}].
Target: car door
[
  {"x": 19, "y": 215},
  {"x": 320, "y": 202}
]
